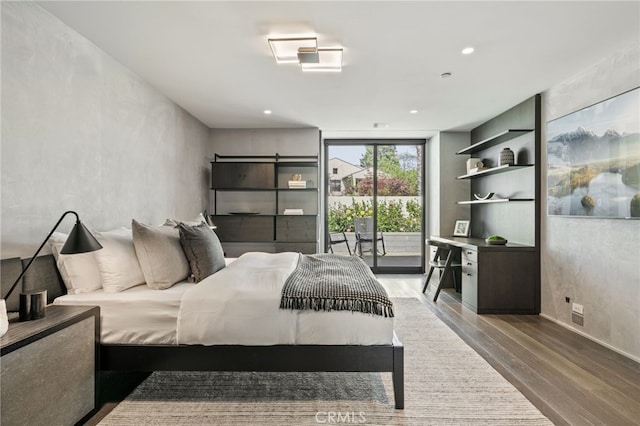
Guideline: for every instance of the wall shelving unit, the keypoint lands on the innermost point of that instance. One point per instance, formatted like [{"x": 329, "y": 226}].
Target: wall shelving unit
[{"x": 253, "y": 203}]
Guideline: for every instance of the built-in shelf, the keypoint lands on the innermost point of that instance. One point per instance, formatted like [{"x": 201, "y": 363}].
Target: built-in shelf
[
  {"x": 495, "y": 201},
  {"x": 494, "y": 140},
  {"x": 269, "y": 180},
  {"x": 494, "y": 170}
]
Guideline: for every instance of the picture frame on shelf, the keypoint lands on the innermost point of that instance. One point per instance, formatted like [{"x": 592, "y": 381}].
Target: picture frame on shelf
[{"x": 462, "y": 228}]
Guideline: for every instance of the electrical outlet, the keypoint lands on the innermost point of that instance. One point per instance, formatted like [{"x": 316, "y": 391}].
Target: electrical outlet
[
  {"x": 578, "y": 308},
  {"x": 577, "y": 318},
  {"x": 567, "y": 299}
]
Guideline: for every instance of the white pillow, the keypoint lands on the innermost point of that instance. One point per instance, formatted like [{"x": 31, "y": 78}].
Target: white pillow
[
  {"x": 117, "y": 261},
  {"x": 160, "y": 254},
  {"x": 79, "y": 272}
]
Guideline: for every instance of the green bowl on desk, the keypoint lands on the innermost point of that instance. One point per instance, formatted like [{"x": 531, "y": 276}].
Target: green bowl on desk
[{"x": 496, "y": 240}]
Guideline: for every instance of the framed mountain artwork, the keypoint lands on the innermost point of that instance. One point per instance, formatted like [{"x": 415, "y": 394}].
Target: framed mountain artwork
[{"x": 593, "y": 160}]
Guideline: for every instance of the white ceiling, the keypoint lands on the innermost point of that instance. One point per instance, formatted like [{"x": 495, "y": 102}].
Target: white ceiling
[{"x": 213, "y": 59}]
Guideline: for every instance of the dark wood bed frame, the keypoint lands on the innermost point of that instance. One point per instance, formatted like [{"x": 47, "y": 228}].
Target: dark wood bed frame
[
  {"x": 321, "y": 358},
  {"x": 284, "y": 358}
]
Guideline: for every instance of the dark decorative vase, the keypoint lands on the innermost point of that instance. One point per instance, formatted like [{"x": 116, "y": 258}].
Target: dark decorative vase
[{"x": 506, "y": 157}]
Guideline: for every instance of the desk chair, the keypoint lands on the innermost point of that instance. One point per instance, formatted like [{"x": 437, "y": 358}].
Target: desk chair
[
  {"x": 443, "y": 264},
  {"x": 338, "y": 238}
]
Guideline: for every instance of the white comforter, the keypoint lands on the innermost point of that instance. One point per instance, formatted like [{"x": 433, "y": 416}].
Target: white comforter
[
  {"x": 238, "y": 305},
  {"x": 241, "y": 305}
]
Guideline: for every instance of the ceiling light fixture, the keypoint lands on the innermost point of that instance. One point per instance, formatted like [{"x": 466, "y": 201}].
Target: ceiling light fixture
[
  {"x": 267, "y": 111},
  {"x": 445, "y": 75},
  {"x": 468, "y": 50},
  {"x": 413, "y": 111},
  {"x": 305, "y": 52}
]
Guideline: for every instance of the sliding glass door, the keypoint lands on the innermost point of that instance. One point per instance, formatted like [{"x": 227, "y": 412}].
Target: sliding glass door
[{"x": 374, "y": 202}]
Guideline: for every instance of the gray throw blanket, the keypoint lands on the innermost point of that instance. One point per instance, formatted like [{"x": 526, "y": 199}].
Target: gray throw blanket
[{"x": 334, "y": 283}]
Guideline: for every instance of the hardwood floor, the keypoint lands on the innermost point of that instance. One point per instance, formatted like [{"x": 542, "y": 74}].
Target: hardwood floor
[{"x": 571, "y": 379}]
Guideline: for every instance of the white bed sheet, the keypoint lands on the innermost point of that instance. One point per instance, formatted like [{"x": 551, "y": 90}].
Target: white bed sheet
[{"x": 139, "y": 315}]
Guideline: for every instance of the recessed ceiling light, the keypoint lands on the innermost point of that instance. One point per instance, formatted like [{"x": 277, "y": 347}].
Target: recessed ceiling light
[
  {"x": 413, "y": 111},
  {"x": 467, "y": 50},
  {"x": 445, "y": 75},
  {"x": 267, "y": 111}
]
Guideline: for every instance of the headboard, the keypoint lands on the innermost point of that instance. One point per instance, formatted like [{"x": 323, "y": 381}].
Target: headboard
[{"x": 43, "y": 275}]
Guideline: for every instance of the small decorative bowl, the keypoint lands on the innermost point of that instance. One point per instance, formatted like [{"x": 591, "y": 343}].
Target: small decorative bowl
[
  {"x": 485, "y": 197},
  {"x": 495, "y": 242}
]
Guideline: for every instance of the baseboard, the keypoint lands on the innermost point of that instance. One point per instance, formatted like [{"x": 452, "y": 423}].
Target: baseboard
[{"x": 593, "y": 339}]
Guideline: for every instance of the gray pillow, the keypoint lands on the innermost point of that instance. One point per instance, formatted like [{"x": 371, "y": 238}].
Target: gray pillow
[
  {"x": 202, "y": 248},
  {"x": 160, "y": 254}
]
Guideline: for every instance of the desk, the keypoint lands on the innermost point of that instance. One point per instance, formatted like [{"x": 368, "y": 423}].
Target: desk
[{"x": 497, "y": 279}]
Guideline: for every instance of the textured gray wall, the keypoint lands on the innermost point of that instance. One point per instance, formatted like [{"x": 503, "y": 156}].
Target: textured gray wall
[
  {"x": 81, "y": 132},
  {"x": 443, "y": 189},
  {"x": 593, "y": 261},
  {"x": 303, "y": 141}
]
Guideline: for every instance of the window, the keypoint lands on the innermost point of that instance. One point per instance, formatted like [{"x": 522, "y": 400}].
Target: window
[
  {"x": 335, "y": 186},
  {"x": 335, "y": 170}
]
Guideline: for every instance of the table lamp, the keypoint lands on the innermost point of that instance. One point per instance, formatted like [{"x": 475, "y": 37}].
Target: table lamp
[{"x": 80, "y": 240}]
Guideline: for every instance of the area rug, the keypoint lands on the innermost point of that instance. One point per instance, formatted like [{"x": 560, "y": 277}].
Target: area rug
[{"x": 446, "y": 382}]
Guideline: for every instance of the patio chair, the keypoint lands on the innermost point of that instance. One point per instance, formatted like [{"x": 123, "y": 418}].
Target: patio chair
[
  {"x": 364, "y": 235},
  {"x": 338, "y": 238}
]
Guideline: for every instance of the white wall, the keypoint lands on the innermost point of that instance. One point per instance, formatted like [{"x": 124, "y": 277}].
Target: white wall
[
  {"x": 81, "y": 132},
  {"x": 593, "y": 261}
]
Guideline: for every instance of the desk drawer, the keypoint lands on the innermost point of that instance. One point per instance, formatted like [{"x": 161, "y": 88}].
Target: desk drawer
[
  {"x": 470, "y": 285},
  {"x": 469, "y": 255}
]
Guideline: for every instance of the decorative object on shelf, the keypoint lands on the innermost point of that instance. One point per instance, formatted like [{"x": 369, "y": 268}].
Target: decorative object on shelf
[
  {"x": 496, "y": 240},
  {"x": 296, "y": 177},
  {"x": 79, "y": 241},
  {"x": 507, "y": 157},
  {"x": 474, "y": 164},
  {"x": 462, "y": 228},
  {"x": 293, "y": 212},
  {"x": 297, "y": 184},
  {"x": 485, "y": 197},
  {"x": 589, "y": 173}
]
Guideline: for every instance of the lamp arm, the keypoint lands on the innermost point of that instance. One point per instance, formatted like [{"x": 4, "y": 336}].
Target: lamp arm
[{"x": 24, "y": 271}]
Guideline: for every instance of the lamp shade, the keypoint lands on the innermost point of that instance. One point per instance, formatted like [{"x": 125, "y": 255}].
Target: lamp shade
[{"x": 80, "y": 240}]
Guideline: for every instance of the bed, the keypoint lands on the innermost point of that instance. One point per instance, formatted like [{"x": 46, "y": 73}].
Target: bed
[{"x": 149, "y": 342}]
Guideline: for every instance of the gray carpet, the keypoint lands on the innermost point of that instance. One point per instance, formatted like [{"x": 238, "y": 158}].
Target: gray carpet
[{"x": 446, "y": 382}]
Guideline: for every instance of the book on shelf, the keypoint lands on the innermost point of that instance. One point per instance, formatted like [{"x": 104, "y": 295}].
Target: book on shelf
[
  {"x": 297, "y": 184},
  {"x": 293, "y": 212}
]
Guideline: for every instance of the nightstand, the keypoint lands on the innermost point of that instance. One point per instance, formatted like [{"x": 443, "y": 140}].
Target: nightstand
[{"x": 49, "y": 367}]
